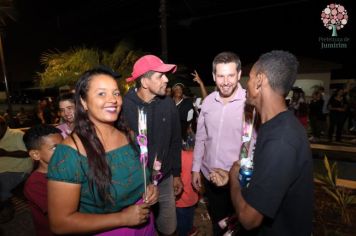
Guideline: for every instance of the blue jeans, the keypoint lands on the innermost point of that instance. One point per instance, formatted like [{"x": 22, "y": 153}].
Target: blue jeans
[{"x": 185, "y": 220}]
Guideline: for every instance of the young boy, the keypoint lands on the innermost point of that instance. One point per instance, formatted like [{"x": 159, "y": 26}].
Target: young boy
[{"x": 40, "y": 141}]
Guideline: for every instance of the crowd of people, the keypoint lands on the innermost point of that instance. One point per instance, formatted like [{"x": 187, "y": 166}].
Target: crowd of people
[
  {"x": 44, "y": 111},
  {"x": 326, "y": 116},
  {"x": 137, "y": 164}
]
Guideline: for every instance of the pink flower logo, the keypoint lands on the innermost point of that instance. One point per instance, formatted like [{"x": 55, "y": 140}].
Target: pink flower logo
[{"x": 334, "y": 17}]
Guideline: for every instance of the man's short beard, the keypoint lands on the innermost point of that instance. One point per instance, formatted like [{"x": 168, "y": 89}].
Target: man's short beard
[{"x": 233, "y": 91}]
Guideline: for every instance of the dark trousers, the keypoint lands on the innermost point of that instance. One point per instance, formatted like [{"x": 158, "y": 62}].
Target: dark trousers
[
  {"x": 219, "y": 204},
  {"x": 185, "y": 220},
  {"x": 315, "y": 125},
  {"x": 338, "y": 120}
]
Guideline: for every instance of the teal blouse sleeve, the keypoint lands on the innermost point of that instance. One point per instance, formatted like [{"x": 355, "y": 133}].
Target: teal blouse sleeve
[
  {"x": 127, "y": 185},
  {"x": 66, "y": 165}
]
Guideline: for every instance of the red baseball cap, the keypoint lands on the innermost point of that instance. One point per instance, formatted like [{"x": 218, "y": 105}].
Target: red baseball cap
[{"x": 150, "y": 63}]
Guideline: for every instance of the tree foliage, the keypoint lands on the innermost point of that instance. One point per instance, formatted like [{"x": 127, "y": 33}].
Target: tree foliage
[
  {"x": 65, "y": 68},
  {"x": 342, "y": 196}
]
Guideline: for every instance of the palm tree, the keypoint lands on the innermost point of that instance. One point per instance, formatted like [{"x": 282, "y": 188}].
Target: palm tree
[
  {"x": 6, "y": 11},
  {"x": 64, "y": 68}
]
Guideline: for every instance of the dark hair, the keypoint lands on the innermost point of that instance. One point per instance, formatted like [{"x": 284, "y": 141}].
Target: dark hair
[
  {"x": 66, "y": 97},
  {"x": 227, "y": 57},
  {"x": 148, "y": 74},
  {"x": 334, "y": 95},
  {"x": 178, "y": 85},
  {"x": 33, "y": 136},
  {"x": 281, "y": 68},
  {"x": 99, "y": 171}
]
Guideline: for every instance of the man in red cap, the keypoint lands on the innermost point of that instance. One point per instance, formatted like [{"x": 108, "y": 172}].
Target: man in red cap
[{"x": 163, "y": 132}]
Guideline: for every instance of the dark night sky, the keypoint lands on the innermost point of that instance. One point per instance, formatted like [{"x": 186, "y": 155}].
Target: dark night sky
[{"x": 197, "y": 30}]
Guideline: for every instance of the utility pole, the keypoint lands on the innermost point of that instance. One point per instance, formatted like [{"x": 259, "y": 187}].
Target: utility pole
[
  {"x": 3, "y": 65},
  {"x": 163, "y": 15}
]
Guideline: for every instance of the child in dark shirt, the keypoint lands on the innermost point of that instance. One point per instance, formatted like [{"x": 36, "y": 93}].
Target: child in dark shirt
[{"x": 40, "y": 141}]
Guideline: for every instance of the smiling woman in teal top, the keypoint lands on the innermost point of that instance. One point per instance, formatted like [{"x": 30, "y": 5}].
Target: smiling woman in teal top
[
  {"x": 95, "y": 178},
  {"x": 66, "y": 165}
]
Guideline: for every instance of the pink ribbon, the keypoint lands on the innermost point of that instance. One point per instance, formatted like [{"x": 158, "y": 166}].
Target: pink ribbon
[
  {"x": 157, "y": 177},
  {"x": 142, "y": 142},
  {"x": 156, "y": 173}
]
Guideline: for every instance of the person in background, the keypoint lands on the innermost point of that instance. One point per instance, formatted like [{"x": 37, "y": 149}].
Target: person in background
[
  {"x": 40, "y": 141},
  {"x": 337, "y": 113},
  {"x": 219, "y": 133},
  {"x": 66, "y": 108},
  {"x": 95, "y": 177},
  {"x": 168, "y": 91},
  {"x": 279, "y": 197},
  {"x": 45, "y": 111},
  {"x": 22, "y": 117},
  {"x": 198, "y": 100},
  {"x": 197, "y": 79},
  {"x": 352, "y": 105},
  {"x": 316, "y": 115},
  {"x": 325, "y": 120},
  {"x": 35, "y": 115},
  {"x": 8, "y": 117},
  {"x": 185, "y": 108},
  {"x": 186, "y": 201},
  {"x": 299, "y": 106},
  {"x": 163, "y": 132},
  {"x": 15, "y": 165}
]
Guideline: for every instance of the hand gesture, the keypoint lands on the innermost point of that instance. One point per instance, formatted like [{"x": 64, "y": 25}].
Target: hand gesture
[
  {"x": 152, "y": 195},
  {"x": 197, "y": 77},
  {"x": 196, "y": 180},
  {"x": 219, "y": 177},
  {"x": 136, "y": 214},
  {"x": 234, "y": 171},
  {"x": 177, "y": 185}
]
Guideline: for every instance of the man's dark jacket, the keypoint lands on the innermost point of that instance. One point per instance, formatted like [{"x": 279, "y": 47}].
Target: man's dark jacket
[{"x": 163, "y": 130}]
